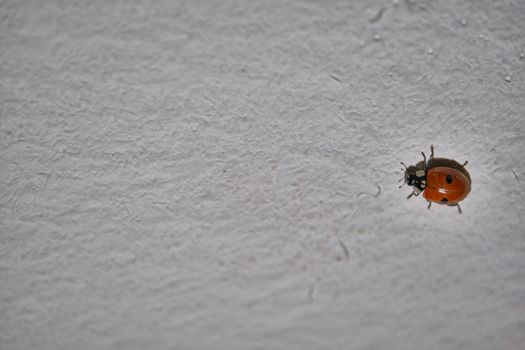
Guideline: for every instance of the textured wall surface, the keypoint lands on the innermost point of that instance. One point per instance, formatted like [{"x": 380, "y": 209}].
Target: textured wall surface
[{"x": 224, "y": 174}]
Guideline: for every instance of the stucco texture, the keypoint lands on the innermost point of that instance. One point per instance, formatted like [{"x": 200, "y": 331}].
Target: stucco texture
[{"x": 224, "y": 174}]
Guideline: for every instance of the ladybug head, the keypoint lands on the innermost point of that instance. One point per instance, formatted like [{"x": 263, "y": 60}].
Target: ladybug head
[
  {"x": 410, "y": 175},
  {"x": 414, "y": 176},
  {"x": 410, "y": 178}
]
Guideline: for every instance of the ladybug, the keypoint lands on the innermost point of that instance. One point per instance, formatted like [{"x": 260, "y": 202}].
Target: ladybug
[{"x": 441, "y": 180}]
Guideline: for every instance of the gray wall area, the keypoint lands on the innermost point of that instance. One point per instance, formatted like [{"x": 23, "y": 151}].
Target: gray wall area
[{"x": 224, "y": 174}]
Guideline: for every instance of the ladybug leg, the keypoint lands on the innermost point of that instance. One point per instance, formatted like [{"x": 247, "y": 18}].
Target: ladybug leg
[
  {"x": 415, "y": 192},
  {"x": 429, "y": 204},
  {"x": 431, "y": 151},
  {"x": 425, "y": 161},
  {"x": 459, "y": 209}
]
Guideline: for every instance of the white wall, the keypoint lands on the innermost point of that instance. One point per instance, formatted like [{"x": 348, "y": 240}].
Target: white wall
[{"x": 185, "y": 174}]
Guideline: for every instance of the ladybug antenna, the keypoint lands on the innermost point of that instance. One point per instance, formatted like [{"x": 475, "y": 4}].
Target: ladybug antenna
[{"x": 404, "y": 179}]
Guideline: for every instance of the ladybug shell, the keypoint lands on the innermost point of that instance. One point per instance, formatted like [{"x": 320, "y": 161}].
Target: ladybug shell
[{"x": 447, "y": 185}]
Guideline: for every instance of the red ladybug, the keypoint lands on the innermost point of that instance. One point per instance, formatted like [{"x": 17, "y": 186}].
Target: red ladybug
[{"x": 441, "y": 180}]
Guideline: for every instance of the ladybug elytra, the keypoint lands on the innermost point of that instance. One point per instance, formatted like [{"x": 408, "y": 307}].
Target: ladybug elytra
[{"x": 441, "y": 180}]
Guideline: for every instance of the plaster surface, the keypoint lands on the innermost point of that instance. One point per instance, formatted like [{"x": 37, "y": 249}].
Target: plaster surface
[{"x": 224, "y": 174}]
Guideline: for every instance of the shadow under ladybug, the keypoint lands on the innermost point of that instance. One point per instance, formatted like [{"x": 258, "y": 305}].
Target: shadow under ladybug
[{"x": 441, "y": 180}]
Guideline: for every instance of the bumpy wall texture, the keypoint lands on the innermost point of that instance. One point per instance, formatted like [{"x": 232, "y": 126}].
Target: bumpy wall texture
[{"x": 224, "y": 174}]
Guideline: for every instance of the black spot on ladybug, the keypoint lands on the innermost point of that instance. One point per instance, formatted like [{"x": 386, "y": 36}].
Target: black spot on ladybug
[
  {"x": 449, "y": 179},
  {"x": 444, "y": 200}
]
